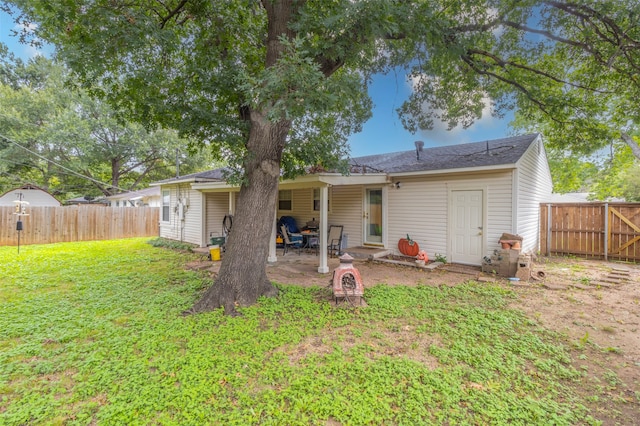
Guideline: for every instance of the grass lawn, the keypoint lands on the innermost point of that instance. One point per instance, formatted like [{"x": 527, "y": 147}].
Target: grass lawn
[{"x": 91, "y": 333}]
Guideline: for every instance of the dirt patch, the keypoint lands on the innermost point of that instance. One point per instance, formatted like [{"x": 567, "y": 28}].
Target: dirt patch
[{"x": 599, "y": 316}]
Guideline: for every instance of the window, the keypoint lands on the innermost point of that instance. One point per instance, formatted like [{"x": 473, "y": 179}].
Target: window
[
  {"x": 166, "y": 198},
  {"x": 316, "y": 200},
  {"x": 285, "y": 200}
]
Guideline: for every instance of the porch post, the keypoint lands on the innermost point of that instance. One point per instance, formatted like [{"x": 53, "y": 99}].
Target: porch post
[
  {"x": 323, "y": 267},
  {"x": 273, "y": 258},
  {"x": 204, "y": 240},
  {"x": 232, "y": 202}
]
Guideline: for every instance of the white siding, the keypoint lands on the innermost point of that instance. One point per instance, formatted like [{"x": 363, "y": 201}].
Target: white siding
[
  {"x": 302, "y": 207},
  {"x": 217, "y": 208},
  {"x": 420, "y": 208},
  {"x": 534, "y": 186},
  {"x": 187, "y": 230},
  {"x": 346, "y": 210},
  {"x": 35, "y": 198}
]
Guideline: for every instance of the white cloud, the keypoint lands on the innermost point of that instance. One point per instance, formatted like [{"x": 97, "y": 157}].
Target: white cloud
[
  {"x": 440, "y": 134},
  {"x": 29, "y": 50}
]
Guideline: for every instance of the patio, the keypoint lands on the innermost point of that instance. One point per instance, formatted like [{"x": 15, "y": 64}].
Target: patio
[{"x": 302, "y": 269}]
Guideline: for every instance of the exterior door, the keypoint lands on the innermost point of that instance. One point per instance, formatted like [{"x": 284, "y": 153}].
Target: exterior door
[
  {"x": 373, "y": 216},
  {"x": 467, "y": 221}
]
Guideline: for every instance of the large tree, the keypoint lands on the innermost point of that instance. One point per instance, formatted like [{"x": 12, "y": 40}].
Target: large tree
[
  {"x": 278, "y": 85},
  {"x": 61, "y": 139}
]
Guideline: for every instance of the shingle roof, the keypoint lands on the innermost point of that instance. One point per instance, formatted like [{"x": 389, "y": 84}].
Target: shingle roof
[
  {"x": 145, "y": 192},
  {"x": 207, "y": 176},
  {"x": 494, "y": 152},
  {"x": 477, "y": 154}
]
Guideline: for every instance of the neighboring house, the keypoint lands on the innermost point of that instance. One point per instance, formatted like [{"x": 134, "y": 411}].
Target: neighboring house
[
  {"x": 36, "y": 197},
  {"x": 568, "y": 197},
  {"x": 148, "y": 197},
  {"x": 86, "y": 200},
  {"x": 578, "y": 197},
  {"x": 453, "y": 200}
]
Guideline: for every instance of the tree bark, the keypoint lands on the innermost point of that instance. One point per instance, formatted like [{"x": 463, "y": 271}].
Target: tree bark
[
  {"x": 243, "y": 278},
  {"x": 632, "y": 144}
]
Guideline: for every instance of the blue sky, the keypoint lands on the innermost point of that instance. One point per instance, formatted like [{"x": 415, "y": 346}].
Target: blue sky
[{"x": 382, "y": 133}]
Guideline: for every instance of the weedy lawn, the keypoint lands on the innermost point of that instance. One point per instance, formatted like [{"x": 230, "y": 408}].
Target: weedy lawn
[{"x": 92, "y": 333}]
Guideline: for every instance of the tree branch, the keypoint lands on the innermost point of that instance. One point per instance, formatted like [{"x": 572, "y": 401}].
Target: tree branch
[
  {"x": 173, "y": 12},
  {"x": 504, "y": 63},
  {"x": 635, "y": 148},
  {"x": 467, "y": 59}
]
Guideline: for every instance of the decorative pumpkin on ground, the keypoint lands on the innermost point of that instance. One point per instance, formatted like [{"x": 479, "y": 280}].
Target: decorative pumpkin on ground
[
  {"x": 408, "y": 247},
  {"x": 422, "y": 255}
]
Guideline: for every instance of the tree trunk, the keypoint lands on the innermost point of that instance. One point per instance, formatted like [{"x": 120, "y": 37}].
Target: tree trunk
[
  {"x": 243, "y": 277},
  {"x": 632, "y": 144}
]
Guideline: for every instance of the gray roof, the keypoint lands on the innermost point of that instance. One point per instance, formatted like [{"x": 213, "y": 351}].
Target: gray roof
[
  {"x": 208, "y": 176},
  {"x": 145, "y": 192},
  {"x": 495, "y": 152}
]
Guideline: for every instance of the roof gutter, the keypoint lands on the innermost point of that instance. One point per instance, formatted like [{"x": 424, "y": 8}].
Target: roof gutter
[
  {"x": 458, "y": 170},
  {"x": 187, "y": 180}
]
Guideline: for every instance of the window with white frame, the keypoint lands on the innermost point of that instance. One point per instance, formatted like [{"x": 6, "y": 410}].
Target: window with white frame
[
  {"x": 285, "y": 200},
  {"x": 166, "y": 199},
  {"x": 316, "y": 200}
]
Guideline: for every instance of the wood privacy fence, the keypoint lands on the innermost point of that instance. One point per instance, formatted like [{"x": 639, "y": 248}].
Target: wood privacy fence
[
  {"x": 45, "y": 225},
  {"x": 594, "y": 230}
]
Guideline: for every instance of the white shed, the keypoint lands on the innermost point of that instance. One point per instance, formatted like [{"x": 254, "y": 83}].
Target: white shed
[{"x": 36, "y": 197}]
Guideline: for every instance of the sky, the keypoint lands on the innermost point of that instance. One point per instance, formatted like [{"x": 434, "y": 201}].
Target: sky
[{"x": 382, "y": 133}]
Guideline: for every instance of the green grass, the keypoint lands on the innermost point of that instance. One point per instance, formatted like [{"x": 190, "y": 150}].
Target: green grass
[{"x": 92, "y": 333}]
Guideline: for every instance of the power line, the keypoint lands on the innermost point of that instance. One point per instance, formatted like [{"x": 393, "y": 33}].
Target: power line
[{"x": 61, "y": 166}]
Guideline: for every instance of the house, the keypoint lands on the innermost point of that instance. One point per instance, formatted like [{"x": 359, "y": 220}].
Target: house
[
  {"x": 86, "y": 200},
  {"x": 36, "y": 197},
  {"x": 147, "y": 197},
  {"x": 455, "y": 200}
]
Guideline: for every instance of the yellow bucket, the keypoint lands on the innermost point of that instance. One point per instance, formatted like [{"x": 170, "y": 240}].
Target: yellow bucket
[{"x": 214, "y": 251}]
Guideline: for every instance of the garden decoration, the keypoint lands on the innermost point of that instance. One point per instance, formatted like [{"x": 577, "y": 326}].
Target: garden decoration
[
  {"x": 347, "y": 282},
  {"x": 422, "y": 255},
  {"x": 21, "y": 210},
  {"x": 408, "y": 247}
]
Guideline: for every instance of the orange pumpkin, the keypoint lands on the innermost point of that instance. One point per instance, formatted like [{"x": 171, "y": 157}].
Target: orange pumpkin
[
  {"x": 422, "y": 255},
  {"x": 408, "y": 247}
]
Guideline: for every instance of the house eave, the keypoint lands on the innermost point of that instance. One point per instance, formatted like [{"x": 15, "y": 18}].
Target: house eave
[
  {"x": 309, "y": 181},
  {"x": 460, "y": 170},
  {"x": 188, "y": 180}
]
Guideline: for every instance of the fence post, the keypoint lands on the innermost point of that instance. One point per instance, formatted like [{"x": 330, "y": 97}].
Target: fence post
[
  {"x": 548, "y": 230},
  {"x": 606, "y": 231}
]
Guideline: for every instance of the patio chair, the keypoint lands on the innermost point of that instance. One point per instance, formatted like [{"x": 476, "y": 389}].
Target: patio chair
[
  {"x": 334, "y": 240},
  {"x": 289, "y": 242}
]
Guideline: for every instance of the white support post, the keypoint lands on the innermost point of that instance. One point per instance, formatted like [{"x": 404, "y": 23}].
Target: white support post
[
  {"x": 273, "y": 257},
  {"x": 204, "y": 238},
  {"x": 232, "y": 202},
  {"x": 323, "y": 267}
]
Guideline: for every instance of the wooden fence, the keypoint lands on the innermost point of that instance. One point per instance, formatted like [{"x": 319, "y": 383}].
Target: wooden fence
[
  {"x": 45, "y": 225},
  {"x": 592, "y": 230}
]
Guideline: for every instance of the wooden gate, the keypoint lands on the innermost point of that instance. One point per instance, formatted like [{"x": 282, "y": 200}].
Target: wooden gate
[{"x": 594, "y": 230}]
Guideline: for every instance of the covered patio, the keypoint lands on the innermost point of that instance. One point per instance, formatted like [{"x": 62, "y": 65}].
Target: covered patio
[{"x": 347, "y": 213}]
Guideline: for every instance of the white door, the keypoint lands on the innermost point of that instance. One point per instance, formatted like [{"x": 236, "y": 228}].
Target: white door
[{"x": 467, "y": 219}]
